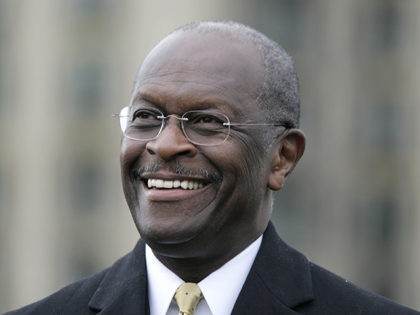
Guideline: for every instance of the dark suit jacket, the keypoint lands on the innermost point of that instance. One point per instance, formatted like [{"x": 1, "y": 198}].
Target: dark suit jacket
[{"x": 281, "y": 281}]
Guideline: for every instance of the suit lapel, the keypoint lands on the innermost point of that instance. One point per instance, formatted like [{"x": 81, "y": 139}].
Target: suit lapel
[
  {"x": 124, "y": 288},
  {"x": 279, "y": 279}
]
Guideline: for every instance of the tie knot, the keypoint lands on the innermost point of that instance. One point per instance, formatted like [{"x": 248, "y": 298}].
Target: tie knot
[{"x": 187, "y": 297}]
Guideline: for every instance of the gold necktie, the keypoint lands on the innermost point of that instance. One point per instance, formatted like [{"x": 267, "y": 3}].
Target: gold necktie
[{"x": 187, "y": 297}]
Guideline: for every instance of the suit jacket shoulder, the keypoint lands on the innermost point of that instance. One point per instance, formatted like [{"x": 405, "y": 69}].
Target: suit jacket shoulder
[
  {"x": 109, "y": 291},
  {"x": 283, "y": 281},
  {"x": 334, "y": 294}
]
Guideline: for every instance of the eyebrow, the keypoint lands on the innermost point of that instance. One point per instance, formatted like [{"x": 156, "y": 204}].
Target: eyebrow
[
  {"x": 147, "y": 98},
  {"x": 205, "y": 103}
]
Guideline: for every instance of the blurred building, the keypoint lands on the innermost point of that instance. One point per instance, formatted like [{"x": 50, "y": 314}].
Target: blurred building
[{"x": 352, "y": 205}]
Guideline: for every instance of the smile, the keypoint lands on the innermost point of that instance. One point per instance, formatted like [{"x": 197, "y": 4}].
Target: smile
[{"x": 174, "y": 184}]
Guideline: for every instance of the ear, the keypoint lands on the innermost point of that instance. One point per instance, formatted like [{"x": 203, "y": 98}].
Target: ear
[{"x": 286, "y": 152}]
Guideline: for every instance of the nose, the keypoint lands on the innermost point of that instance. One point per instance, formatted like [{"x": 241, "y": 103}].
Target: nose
[{"x": 171, "y": 142}]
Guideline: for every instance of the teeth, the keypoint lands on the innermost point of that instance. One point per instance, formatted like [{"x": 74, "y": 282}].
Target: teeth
[{"x": 168, "y": 184}]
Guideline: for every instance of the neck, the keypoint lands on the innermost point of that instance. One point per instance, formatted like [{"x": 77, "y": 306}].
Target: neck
[
  {"x": 189, "y": 269},
  {"x": 196, "y": 268}
]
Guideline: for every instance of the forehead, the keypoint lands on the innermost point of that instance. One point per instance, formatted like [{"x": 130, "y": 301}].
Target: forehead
[{"x": 189, "y": 66}]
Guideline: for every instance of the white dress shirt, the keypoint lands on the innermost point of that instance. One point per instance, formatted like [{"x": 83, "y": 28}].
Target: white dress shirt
[{"x": 220, "y": 289}]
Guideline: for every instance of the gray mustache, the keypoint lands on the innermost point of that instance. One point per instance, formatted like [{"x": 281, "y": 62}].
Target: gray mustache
[{"x": 179, "y": 170}]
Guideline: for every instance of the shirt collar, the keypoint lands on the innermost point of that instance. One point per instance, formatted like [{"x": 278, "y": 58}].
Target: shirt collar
[{"x": 162, "y": 282}]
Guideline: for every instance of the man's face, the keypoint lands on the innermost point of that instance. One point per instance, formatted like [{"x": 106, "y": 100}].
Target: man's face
[{"x": 229, "y": 201}]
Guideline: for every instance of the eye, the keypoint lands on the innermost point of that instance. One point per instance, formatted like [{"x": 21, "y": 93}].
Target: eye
[
  {"x": 146, "y": 119},
  {"x": 145, "y": 114},
  {"x": 206, "y": 120},
  {"x": 199, "y": 118}
]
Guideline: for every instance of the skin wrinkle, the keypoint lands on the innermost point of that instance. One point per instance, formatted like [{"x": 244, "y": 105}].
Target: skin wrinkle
[
  {"x": 255, "y": 159},
  {"x": 269, "y": 137},
  {"x": 171, "y": 72}
]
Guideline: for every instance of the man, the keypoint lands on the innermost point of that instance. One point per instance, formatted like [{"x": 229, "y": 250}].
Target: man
[{"x": 210, "y": 133}]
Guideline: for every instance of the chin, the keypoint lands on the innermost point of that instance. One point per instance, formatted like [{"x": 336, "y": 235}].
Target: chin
[{"x": 167, "y": 231}]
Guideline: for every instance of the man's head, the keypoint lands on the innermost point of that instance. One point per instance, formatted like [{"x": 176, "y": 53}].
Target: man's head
[{"x": 221, "y": 69}]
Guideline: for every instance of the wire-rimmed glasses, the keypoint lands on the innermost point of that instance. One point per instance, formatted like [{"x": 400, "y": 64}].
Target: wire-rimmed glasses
[{"x": 201, "y": 127}]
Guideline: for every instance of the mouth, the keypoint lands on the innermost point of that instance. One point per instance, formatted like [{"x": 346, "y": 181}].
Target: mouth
[
  {"x": 178, "y": 178},
  {"x": 161, "y": 189},
  {"x": 155, "y": 183}
]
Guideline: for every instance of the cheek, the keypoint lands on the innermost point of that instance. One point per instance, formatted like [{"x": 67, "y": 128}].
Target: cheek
[
  {"x": 246, "y": 167},
  {"x": 130, "y": 153},
  {"x": 129, "y": 156}
]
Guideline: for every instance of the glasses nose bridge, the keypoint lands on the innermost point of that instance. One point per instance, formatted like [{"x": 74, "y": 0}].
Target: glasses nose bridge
[{"x": 180, "y": 120}]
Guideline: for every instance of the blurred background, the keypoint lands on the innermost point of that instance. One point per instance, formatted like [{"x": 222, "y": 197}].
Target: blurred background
[{"x": 352, "y": 205}]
